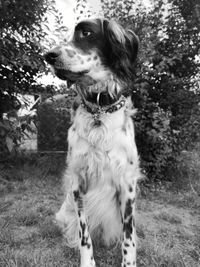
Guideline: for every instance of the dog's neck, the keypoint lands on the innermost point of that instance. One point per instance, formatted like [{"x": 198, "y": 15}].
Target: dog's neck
[
  {"x": 102, "y": 94},
  {"x": 101, "y": 97}
]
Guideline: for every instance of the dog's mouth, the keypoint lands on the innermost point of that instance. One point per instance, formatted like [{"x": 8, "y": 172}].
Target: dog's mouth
[{"x": 70, "y": 76}]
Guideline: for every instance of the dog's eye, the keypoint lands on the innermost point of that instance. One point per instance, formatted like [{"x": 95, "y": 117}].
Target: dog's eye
[{"x": 85, "y": 33}]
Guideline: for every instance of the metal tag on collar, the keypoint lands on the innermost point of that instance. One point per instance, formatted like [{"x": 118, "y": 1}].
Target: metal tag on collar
[
  {"x": 98, "y": 97},
  {"x": 96, "y": 116}
]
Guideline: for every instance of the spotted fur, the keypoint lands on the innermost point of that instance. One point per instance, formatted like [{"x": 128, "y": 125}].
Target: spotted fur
[{"x": 103, "y": 164}]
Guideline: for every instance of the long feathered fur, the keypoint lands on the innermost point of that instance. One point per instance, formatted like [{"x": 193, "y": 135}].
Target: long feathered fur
[{"x": 100, "y": 201}]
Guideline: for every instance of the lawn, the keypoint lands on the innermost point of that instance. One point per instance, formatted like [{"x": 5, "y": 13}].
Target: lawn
[{"x": 168, "y": 224}]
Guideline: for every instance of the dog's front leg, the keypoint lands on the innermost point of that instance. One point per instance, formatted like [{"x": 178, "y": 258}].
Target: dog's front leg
[
  {"x": 128, "y": 219},
  {"x": 85, "y": 242}
]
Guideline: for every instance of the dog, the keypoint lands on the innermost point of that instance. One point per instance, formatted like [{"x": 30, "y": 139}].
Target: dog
[{"x": 102, "y": 162}]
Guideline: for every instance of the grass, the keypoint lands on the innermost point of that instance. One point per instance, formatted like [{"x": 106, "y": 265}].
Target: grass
[{"x": 168, "y": 224}]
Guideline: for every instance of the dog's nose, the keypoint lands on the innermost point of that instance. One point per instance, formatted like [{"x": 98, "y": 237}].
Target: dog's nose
[{"x": 52, "y": 55}]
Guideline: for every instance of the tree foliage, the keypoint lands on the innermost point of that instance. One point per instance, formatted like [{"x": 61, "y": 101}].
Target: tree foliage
[
  {"x": 22, "y": 31},
  {"x": 20, "y": 35}
]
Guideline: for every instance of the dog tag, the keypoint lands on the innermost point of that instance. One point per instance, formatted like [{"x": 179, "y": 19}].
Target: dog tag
[{"x": 96, "y": 117}]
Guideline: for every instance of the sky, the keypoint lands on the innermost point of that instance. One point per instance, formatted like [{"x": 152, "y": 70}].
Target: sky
[{"x": 66, "y": 9}]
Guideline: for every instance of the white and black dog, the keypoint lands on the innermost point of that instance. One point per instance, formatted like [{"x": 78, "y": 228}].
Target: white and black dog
[{"x": 102, "y": 163}]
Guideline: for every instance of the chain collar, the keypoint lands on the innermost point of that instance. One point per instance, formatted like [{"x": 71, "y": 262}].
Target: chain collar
[
  {"x": 97, "y": 110},
  {"x": 101, "y": 98}
]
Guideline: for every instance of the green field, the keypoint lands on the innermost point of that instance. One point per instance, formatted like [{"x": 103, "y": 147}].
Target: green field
[{"x": 168, "y": 224}]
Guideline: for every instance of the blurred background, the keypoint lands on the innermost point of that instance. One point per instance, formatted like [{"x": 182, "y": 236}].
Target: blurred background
[{"x": 35, "y": 115}]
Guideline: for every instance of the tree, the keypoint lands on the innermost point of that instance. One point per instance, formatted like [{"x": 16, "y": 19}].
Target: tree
[
  {"x": 22, "y": 28},
  {"x": 20, "y": 35}
]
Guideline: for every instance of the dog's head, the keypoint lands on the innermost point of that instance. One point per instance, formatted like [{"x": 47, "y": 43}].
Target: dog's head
[{"x": 98, "y": 50}]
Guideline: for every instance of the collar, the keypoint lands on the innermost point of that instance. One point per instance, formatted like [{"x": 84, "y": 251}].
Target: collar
[
  {"x": 101, "y": 98},
  {"x": 97, "y": 110}
]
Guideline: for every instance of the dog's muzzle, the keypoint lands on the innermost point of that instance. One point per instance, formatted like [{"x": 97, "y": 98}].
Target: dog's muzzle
[{"x": 52, "y": 57}]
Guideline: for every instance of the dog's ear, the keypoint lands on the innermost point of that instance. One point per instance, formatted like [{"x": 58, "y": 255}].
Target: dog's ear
[
  {"x": 120, "y": 40},
  {"x": 122, "y": 46},
  {"x": 132, "y": 44}
]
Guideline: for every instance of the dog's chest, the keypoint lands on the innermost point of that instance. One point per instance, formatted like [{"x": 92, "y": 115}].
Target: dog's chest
[{"x": 104, "y": 151}]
